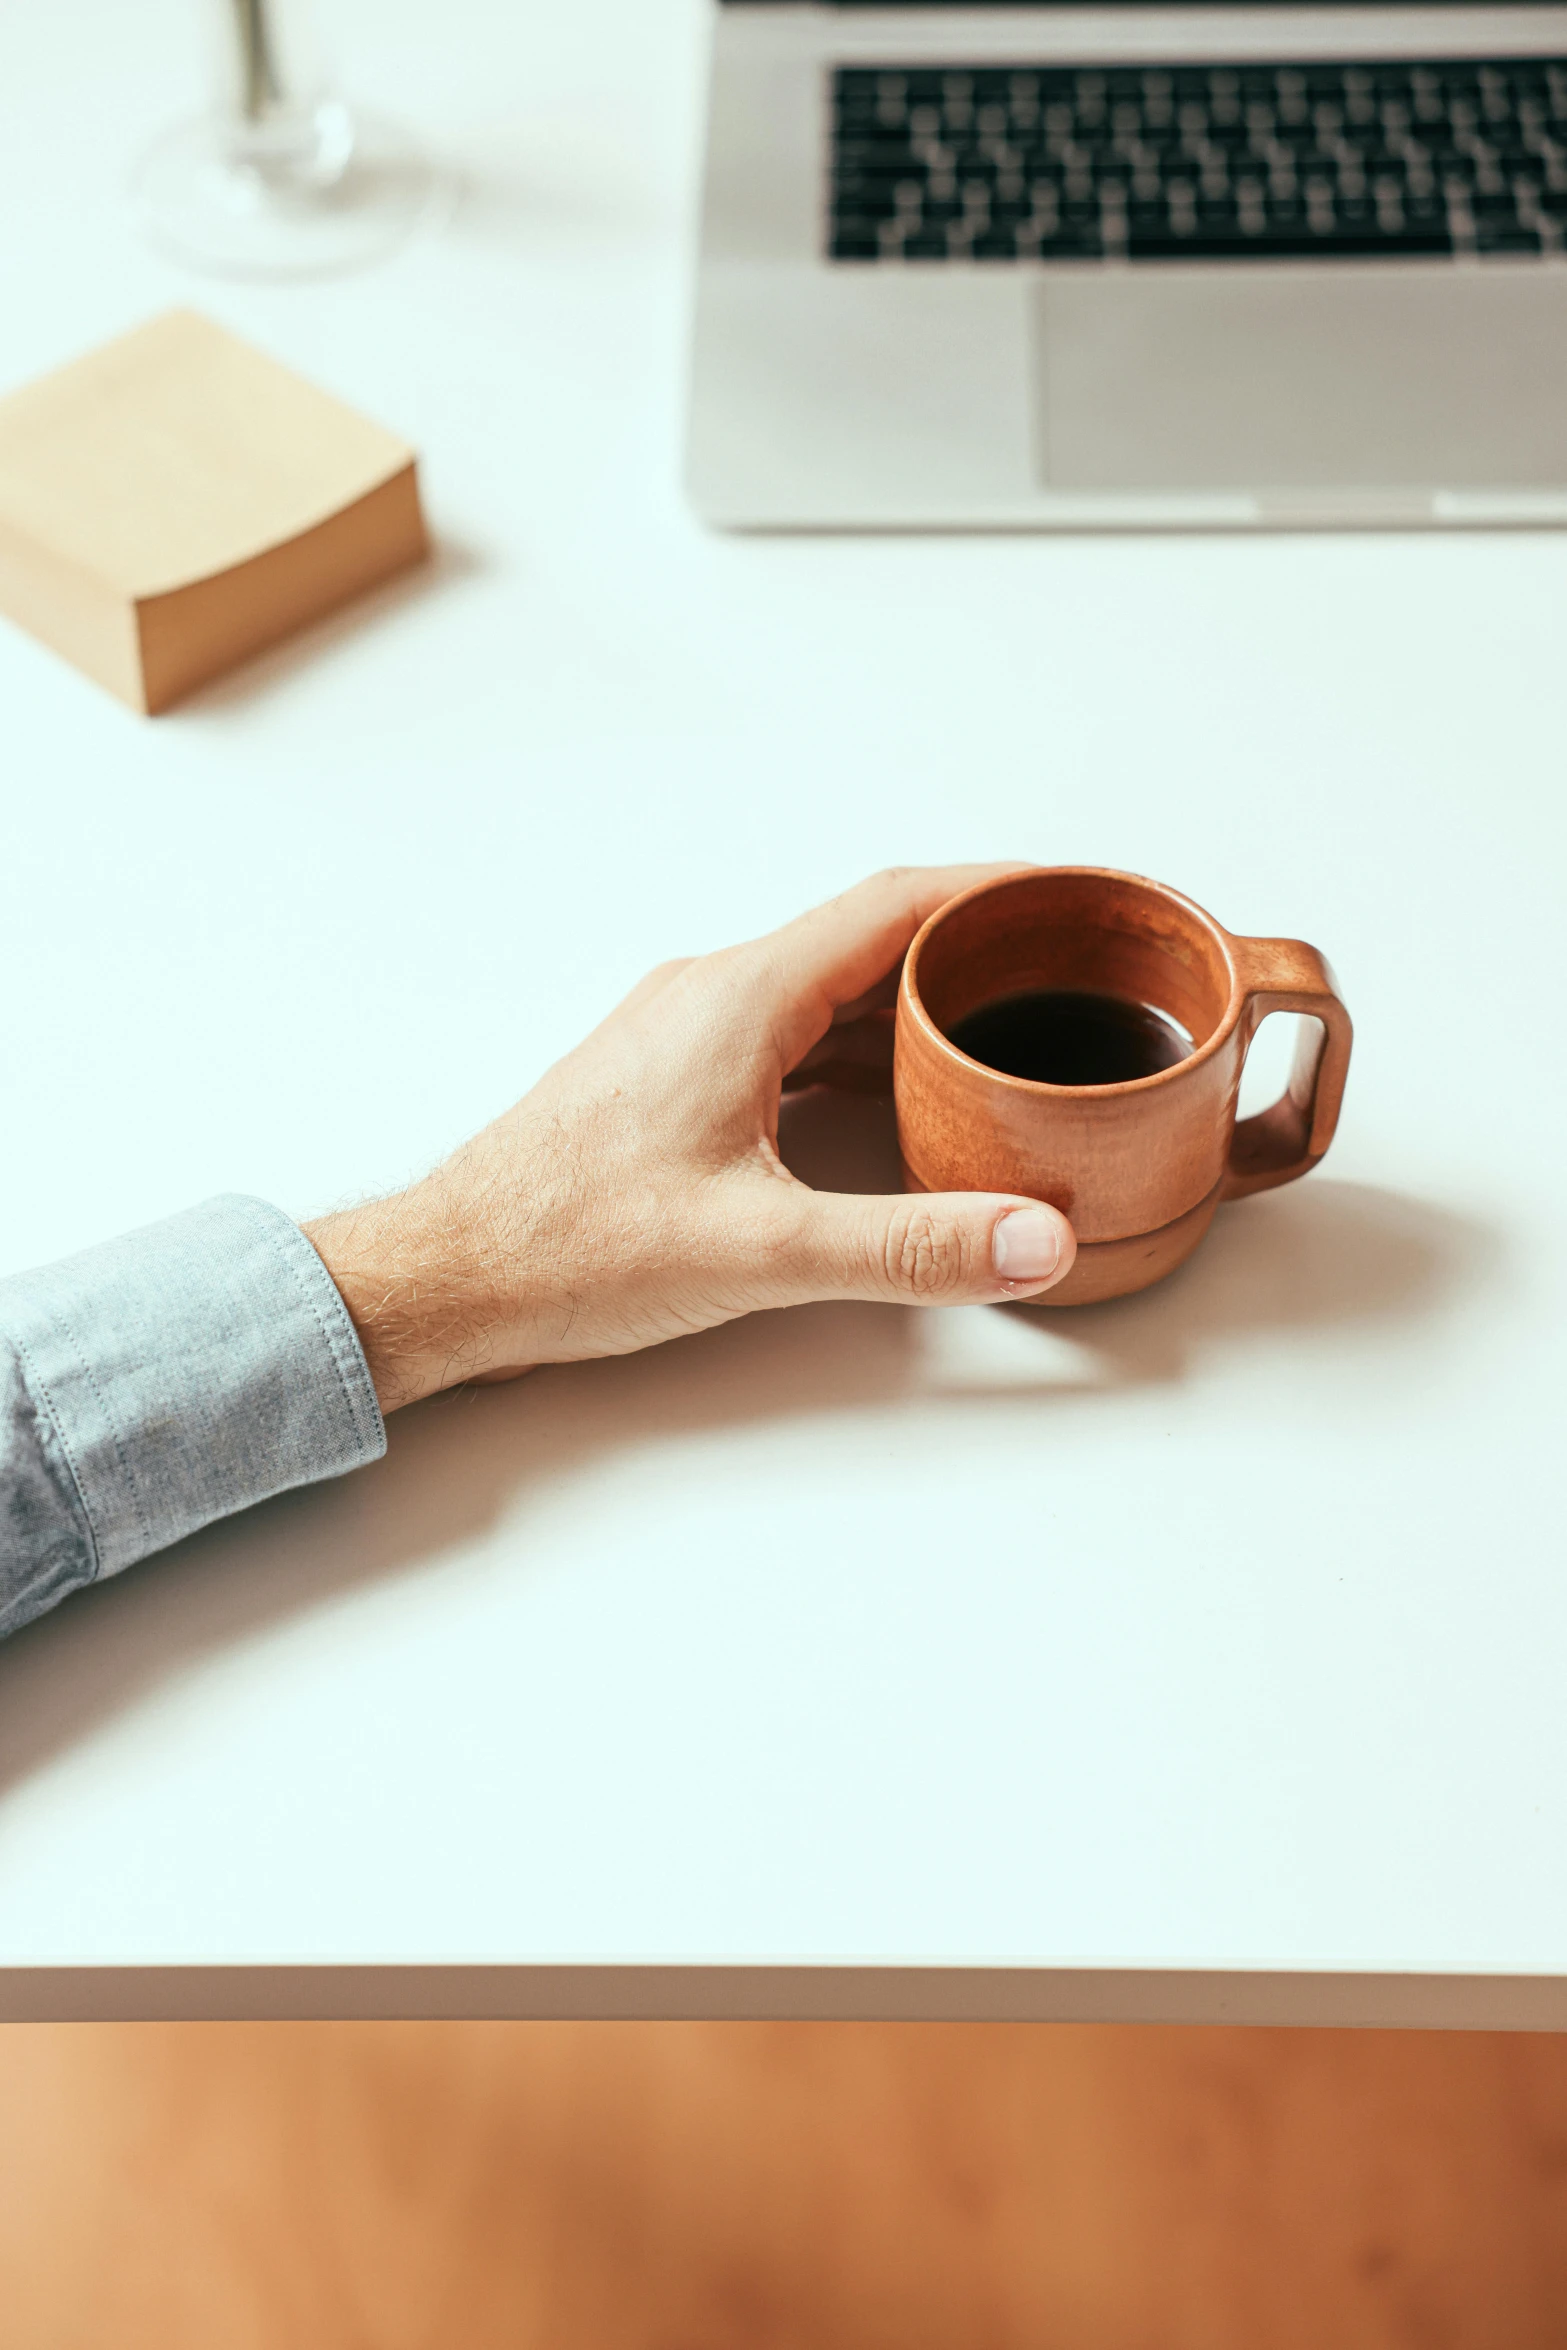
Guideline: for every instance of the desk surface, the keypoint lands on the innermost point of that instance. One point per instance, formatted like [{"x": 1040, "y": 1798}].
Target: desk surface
[{"x": 1198, "y": 1655}]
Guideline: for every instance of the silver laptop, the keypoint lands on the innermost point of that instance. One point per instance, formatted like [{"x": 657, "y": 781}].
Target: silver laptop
[{"x": 1051, "y": 267}]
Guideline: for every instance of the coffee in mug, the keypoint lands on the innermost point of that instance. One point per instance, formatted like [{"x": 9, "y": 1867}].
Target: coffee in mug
[
  {"x": 1065, "y": 1036},
  {"x": 1078, "y": 1036}
]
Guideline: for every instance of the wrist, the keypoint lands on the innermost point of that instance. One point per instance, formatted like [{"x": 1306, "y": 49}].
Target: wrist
[{"x": 402, "y": 1270}]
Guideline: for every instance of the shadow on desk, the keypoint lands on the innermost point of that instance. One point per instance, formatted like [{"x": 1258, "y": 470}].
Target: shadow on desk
[
  {"x": 1319, "y": 1259},
  {"x": 448, "y": 564}
]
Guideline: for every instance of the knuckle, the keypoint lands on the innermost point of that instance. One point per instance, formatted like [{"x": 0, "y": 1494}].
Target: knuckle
[{"x": 925, "y": 1257}]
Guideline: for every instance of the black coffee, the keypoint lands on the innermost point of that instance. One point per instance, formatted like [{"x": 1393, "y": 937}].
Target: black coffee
[{"x": 1058, "y": 1036}]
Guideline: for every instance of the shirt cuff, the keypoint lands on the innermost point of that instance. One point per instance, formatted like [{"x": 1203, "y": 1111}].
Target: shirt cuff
[{"x": 191, "y": 1369}]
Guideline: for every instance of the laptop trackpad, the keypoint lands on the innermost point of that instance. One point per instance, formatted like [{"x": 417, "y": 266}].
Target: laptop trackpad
[{"x": 1371, "y": 376}]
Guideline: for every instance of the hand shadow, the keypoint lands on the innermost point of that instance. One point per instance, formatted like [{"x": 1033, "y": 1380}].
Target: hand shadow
[
  {"x": 1317, "y": 1255},
  {"x": 1311, "y": 1256}
]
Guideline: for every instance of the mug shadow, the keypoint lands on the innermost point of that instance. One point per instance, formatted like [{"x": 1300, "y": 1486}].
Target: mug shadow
[
  {"x": 1314, "y": 1258},
  {"x": 1318, "y": 1256}
]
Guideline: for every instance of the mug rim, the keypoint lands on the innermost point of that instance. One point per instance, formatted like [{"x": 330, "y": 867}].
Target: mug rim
[{"x": 908, "y": 985}]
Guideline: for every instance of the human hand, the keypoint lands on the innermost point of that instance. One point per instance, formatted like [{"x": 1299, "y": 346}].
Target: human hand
[{"x": 636, "y": 1194}]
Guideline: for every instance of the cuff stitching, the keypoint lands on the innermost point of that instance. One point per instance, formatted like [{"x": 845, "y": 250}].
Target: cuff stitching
[
  {"x": 40, "y": 1388},
  {"x": 352, "y": 1400}
]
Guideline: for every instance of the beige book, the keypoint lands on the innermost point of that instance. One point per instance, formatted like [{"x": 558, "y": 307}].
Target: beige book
[{"x": 175, "y": 501}]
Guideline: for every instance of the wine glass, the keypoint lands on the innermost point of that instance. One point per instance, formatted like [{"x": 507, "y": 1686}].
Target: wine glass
[{"x": 279, "y": 178}]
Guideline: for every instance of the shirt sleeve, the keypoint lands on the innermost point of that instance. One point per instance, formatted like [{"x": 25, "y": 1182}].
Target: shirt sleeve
[{"x": 164, "y": 1380}]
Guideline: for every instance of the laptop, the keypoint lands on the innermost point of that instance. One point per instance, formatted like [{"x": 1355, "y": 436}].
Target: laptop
[{"x": 1045, "y": 267}]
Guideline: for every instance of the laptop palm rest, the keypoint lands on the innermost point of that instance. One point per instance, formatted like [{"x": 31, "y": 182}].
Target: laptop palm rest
[{"x": 1303, "y": 379}]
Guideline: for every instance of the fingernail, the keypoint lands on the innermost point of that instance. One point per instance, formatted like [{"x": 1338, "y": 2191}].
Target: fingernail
[{"x": 1026, "y": 1245}]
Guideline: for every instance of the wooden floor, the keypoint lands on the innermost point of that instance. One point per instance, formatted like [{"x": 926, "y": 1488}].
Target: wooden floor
[{"x": 779, "y": 2187}]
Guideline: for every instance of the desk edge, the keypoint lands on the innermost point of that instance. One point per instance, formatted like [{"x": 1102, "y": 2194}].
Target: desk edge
[{"x": 912, "y": 1994}]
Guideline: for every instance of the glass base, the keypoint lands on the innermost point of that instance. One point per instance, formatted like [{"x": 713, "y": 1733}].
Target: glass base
[{"x": 207, "y": 203}]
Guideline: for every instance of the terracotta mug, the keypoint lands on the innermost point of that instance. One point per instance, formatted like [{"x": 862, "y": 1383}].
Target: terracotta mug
[{"x": 1139, "y": 1166}]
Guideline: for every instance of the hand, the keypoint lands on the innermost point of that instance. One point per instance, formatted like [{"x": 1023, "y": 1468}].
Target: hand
[{"x": 636, "y": 1194}]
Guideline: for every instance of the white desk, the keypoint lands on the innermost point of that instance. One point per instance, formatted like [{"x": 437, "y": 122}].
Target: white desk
[{"x": 1200, "y": 1656}]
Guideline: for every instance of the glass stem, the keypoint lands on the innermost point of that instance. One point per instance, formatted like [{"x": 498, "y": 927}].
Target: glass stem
[
  {"x": 281, "y": 122},
  {"x": 260, "y": 81}
]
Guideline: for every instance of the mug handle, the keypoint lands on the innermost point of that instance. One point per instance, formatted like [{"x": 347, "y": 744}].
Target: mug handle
[{"x": 1286, "y": 975}]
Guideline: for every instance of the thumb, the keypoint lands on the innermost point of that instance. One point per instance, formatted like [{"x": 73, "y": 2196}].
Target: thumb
[{"x": 937, "y": 1248}]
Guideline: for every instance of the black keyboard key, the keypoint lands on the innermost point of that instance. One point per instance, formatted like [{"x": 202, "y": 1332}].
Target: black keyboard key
[
  {"x": 1290, "y": 246},
  {"x": 869, "y": 206}
]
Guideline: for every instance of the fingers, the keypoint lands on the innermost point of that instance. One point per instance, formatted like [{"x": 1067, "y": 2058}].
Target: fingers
[
  {"x": 928, "y": 1248},
  {"x": 883, "y": 997},
  {"x": 854, "y": 1055},
  {"x": 841, "y": 951}
]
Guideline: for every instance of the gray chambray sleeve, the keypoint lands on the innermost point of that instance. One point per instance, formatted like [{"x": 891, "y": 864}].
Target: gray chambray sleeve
[{"x": 164, "y": 1380}]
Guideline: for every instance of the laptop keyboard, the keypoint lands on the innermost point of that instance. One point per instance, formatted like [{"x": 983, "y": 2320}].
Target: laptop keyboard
[{"x": 1174, "y": 163}]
